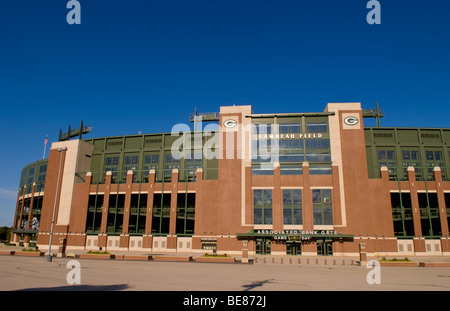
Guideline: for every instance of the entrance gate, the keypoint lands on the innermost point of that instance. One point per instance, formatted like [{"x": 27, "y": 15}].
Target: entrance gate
[
  {"x": 324, "y": 248},
  {"x": 263, "y": 246},
  {"x": 293, "y": 248}
]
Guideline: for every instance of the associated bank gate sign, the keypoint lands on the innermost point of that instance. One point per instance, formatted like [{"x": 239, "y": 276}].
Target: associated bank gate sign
[{"x": 296, "y": 235}]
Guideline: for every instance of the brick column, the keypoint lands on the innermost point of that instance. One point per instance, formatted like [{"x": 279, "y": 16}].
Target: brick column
[
  {"x": 147, "y": 238},
  {"x": 171, "y": 237},
  {"x": 277, "y": 199},
  {"x": 307, "y": 203},
  {"x": 414, "y": 201},
  {"x": 124, "y": 240},
  {"x": 30, "y": 211},
  {"x": 18, "y": 222},
  {"x": 102, "y": 236},
  {"x": 337, "y": 208},
  {"x": 126, "y": 210},
  {"x": 307, "y": 208},
  {"x": 441, "y": 200},
  {"x": 277, "y": 208}
]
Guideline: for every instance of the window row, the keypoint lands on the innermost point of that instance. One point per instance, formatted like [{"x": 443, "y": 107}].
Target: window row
[
  {"x": 291, "y": 169},
  {"x": 29, "y": 216},
  {"x": 295, "y": 150},
  {"x": 185, "y": 214},
  {"x": 397, "y": 163},
  {"x": 33, "y": 174},
  {"x": 163, "y": 167},
  {"x": 287, "y": 128},
  {"x": 430, "y": 221},
  {"x": 292, "y": 207}
]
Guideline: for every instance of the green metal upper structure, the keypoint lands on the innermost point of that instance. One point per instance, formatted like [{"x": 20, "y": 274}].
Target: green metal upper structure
[{"x": 398, "y": 148}]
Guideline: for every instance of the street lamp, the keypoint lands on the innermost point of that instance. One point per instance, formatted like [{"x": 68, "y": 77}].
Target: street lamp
[{"x": 49, "y": 255}]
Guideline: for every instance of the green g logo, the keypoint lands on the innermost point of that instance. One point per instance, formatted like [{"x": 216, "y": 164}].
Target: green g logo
[{"x": 351, "y": 120}]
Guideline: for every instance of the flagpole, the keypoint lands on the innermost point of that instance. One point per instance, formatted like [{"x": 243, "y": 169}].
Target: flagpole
[{"x": 45, "y": 146}]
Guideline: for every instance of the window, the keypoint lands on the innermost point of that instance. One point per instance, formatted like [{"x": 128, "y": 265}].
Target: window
[
  {"x": 387, "y": 158},
  {"x": 411, "y": 158},
  {"x": 41, "y": 176},
  {"x": 131, "y": 163},
  {"x": 94, "y": 214},
  {"x": 322, "y": 207},
  {"x": 264, "y": 149},
  {"x": 320, "y": 169},
  {"x": 429, "y": 214},
  {"x": 317, "y": 127},
  {"x": 138, "y": 213},
  {"x": 23, "y": 178},
  {"x": 291, "y": 151},
  {"x": 285, "y": 143},
  {"x": 434, "y": 158},
  {"x": 112, "y": 165},
  {"x": 262, "y": 169},
  {"x": 30, "y": 176},
  {"x": 151, "y": 162},
  {"x": 161, "y": 213},
  {"x": 288, "y": 128},
  {"x": 170, "y": 164},
  {"x": 291, "y": 169},
  {"x": 262, "y": 128},
  {"x": 317, "y": 150},
  {"x": 262, "y": 206},
  {"x": 402, "y": 214},
  {"x": 292, "y": 207},
  {"x": 185, "y": 213},
  {"x": 447, "y": 205},
  {"x": 115, "y": 213},
  {"x": 193, "y": 162}
]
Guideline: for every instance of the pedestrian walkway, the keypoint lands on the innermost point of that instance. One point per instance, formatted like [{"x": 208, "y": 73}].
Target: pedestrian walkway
[{"x": 259, "y": 259}]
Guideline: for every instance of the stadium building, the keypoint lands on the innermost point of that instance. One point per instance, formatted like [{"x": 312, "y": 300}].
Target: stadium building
[{"x": 300, "y": 184}]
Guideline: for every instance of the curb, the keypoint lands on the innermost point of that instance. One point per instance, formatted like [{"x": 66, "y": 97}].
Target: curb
[{"x": 288, "y": 261}]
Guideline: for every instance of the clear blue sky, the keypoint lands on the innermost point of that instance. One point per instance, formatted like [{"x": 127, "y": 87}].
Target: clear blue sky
[{"x": 144, "y": 65}]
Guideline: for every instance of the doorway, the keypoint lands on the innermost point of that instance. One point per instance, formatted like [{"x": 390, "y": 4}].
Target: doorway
[
  {"x": 293, "y": 248},
  {"x": 324, "y": 248},
  {"x": 263, "y": 246}
]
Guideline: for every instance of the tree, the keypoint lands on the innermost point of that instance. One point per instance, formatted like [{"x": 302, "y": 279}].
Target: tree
[{"x": 5, "y": 233}]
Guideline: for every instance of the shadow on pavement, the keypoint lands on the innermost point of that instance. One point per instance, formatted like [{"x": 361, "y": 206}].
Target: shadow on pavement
[
  {"x": 255, "y": 284},
  {"x": 79, "y": 288}
]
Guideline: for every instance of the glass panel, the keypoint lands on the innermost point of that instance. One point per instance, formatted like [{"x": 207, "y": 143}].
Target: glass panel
[
  {"x": 289, "y": 128},
  {"x": 262, "y": 206},
  {"x": 322, "y": 207},
  {"x": 292, "y": 210},
  {"x": 317, "y": 127},
  {"x": 161, "y": 213}
]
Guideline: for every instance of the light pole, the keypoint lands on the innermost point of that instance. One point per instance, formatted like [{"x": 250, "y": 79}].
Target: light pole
[{"x": 49, "y": 255}]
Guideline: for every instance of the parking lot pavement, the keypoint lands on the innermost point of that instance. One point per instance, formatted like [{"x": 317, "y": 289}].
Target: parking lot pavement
[{"x": 34, "y": 273}]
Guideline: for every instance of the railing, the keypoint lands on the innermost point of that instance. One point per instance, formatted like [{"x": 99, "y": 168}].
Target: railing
[
  {"x": 142, "y": 176},
  {"x": 400, "y": 173},
  {"x": 205, "y": 116},
  {"x": 373, "y": 112}
]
